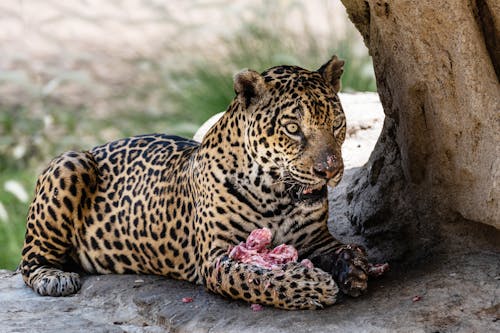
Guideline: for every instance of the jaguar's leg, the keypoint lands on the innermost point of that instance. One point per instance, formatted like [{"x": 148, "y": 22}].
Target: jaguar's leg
[
  {"x": 293, "y": 287},
  {"x": 349, "y": 267},
  {"x": 347, "y": 263},
  {"x": 60, "y": 192}
]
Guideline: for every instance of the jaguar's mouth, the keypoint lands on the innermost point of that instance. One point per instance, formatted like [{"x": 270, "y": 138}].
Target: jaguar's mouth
[{"x": 309, "y": 194}]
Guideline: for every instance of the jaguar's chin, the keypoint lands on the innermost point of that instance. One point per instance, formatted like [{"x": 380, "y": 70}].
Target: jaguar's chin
[{"x": 336, "y": 179}]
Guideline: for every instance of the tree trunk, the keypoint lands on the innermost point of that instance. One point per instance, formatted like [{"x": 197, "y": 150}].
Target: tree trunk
[{"x": 437, "y": 65}]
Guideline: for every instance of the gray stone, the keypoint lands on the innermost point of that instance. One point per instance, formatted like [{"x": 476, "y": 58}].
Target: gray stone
[{"x": 459, "y": 286}]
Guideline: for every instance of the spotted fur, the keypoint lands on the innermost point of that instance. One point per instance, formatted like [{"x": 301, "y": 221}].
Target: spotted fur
[{"x": 158, "y": 204}]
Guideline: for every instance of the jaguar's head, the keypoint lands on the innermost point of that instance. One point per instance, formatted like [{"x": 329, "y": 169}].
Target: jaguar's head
[{"x": 295, "y": 124}]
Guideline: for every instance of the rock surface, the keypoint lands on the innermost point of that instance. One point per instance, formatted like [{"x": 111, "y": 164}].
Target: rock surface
[
  {"x": 458, "y": 293},
  {"x": 438, "y": 157}
]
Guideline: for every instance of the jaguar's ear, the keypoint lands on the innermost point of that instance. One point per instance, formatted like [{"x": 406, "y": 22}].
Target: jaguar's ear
[
  {"x": 249, "y": 87},
  {"x": 332, "y": 71}
]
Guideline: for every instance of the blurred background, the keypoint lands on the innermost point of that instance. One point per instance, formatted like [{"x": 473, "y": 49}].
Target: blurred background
[{"x": 77, "y": 73}]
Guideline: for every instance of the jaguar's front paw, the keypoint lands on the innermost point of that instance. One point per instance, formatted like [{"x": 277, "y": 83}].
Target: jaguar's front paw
[{"x": 350, "y": 270}]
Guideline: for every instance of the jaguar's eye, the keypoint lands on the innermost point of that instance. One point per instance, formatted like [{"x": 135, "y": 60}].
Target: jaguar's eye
[
  {"x": 337, "y": 124},
  {"x": 292, "y": 128}
]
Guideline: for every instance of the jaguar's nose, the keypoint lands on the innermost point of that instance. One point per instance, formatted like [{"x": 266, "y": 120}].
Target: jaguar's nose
[{"x": 328, "y": 168}]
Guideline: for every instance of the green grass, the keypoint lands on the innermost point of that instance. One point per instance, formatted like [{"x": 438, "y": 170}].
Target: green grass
[{"x": 12, "y": 230}]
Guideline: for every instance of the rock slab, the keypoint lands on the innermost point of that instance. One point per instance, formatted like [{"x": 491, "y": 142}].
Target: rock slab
[{"x": 458, "y": 293}]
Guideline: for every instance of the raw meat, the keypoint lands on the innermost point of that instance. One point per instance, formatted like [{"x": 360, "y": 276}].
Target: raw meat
[
  {"x": 376, "y": 270},
  {"x": 307, "y": 263},
  {"x": 256, "y": 307},
  {"x": 255, "y": 251},
  {"x": 259, "y": 239},
  {"x": 416, "y": 298}
]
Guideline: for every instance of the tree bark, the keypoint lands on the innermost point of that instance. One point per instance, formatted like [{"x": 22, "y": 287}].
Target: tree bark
[{"x": 437, "y": 65}]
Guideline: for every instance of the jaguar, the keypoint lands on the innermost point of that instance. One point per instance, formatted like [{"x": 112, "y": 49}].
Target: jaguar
[{"x": 170, "y": 206}]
